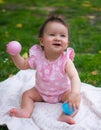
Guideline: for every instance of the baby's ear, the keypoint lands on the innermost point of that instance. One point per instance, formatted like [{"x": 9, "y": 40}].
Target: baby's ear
[{"x": 41, "y": 41}]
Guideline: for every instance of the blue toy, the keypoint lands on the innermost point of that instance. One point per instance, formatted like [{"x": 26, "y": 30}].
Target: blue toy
[{"x": 66, "y": 109}]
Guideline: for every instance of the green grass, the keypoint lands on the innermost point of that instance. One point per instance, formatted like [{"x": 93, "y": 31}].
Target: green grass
[{"x": 21, "y": 19}]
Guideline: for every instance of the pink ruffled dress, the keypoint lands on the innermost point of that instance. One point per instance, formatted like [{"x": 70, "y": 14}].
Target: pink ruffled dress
[{"x": 51, "y": 78}]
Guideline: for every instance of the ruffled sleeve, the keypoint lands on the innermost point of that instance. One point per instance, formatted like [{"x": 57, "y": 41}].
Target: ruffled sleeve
[
  {"x": 70, "y": 53},
  {"x": 34, "y": 54}
]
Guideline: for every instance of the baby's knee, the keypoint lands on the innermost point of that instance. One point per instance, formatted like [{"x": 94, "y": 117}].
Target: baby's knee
[{"x": 26, "y": 93}]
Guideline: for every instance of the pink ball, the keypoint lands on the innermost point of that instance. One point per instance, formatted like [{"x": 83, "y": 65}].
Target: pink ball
[{"x": 13, "y": 48}]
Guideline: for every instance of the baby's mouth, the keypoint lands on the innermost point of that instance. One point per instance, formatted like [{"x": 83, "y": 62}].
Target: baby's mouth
[{"x": 56, "y": 44}]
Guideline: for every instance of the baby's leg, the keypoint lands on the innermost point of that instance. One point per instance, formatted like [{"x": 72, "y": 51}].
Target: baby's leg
[
  {"x": 27, "y": 104},
  {"x": 64, "y": 117}
]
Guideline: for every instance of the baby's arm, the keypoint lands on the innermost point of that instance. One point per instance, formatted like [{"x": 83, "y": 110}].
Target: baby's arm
[
  {"x": 74, "y": 97},
  {"x": 14, "y": 48}
]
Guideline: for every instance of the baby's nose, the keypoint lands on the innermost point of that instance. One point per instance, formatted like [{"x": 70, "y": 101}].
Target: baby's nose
[{"x": 57, "y": 38}]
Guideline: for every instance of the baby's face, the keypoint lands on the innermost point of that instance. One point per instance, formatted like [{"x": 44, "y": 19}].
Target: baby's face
[{"x": 55, "y": 37}]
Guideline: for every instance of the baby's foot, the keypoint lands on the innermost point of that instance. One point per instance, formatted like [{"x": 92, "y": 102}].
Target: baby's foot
[
  {"x": 18, "y": 113},
  {"x": 67, "y": 119}
]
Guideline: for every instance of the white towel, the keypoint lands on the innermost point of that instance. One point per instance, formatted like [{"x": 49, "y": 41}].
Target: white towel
[{"x": 45, "y": 115}]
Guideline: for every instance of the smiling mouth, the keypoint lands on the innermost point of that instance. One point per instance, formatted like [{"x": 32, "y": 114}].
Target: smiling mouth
[{"x": 56, "y": 44}]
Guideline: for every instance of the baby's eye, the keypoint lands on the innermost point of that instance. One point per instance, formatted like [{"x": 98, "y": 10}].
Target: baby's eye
[
  {"x": 52, "y": 34},
  {"x": 62, "y": 35}
]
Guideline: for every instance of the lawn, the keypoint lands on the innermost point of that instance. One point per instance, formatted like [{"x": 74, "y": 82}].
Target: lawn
[{"x": 21, "y": 19}]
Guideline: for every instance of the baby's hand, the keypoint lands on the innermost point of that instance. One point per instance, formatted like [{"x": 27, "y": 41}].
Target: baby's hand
[
  {"x": 13, "y": 48},
  {"x": 74, "y": 100}
]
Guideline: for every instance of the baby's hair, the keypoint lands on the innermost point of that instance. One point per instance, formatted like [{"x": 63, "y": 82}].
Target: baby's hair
[{"x": 52, "y": 18}]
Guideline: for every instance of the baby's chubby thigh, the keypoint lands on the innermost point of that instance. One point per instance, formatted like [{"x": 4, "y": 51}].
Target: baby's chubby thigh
[{"x": 32, "y": 94}]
